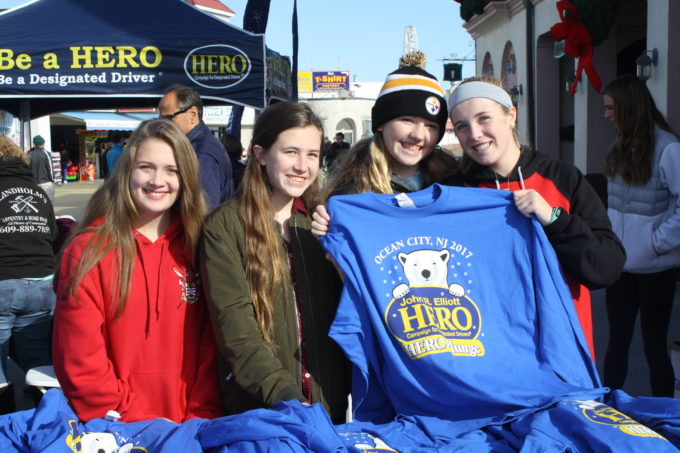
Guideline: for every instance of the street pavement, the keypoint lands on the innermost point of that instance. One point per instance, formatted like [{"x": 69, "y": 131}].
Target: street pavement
[
  {"x": 72, "y": 198},
  {"x": 637, "y": 382}
]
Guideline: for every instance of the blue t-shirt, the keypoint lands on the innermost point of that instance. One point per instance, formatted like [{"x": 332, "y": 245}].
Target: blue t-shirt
[
  {"x": 591, "y": 426},
  {"x": 567, "y": 426},
  {"x": 112, "y": 157},
  {"x": 454, "y": 306},
  {"x": 648, "y": 425},
  {"x": 53, "y": 427}
]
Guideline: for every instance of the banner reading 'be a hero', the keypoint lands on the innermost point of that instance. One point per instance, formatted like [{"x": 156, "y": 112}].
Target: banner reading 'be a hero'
[{"x": 137, "y": 49}]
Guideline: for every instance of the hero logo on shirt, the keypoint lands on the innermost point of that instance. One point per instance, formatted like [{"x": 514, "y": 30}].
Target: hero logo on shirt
[
  {"x": 607, "y": 415},
  {"x": 366, "y": 443},
  {"x": 426, "y": 313},
  {"x": 98, "y": 442}
]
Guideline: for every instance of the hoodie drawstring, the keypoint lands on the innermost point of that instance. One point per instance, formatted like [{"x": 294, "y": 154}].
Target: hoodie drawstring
[
  {"x": 147, "y": 325},
  {"x": 519, "y": 176},
  {"x": 158, "y": 267}
]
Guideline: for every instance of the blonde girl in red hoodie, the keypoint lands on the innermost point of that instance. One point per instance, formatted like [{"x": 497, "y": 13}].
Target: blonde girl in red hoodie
[{"x": 131, "y": 330}]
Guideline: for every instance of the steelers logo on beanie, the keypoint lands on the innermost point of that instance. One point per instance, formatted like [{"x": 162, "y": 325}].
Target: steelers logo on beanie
[{"x": 410, "y": 91}]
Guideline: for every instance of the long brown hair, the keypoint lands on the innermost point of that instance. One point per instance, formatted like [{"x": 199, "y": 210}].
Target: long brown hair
[
  {"x": 635, "y": 117},
  {"x": 266, "y": 260},
  {"x": 114, "y": 202}
]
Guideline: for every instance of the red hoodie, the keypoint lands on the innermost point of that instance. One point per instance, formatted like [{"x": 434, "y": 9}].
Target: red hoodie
[{"x": 158, "y": 358}]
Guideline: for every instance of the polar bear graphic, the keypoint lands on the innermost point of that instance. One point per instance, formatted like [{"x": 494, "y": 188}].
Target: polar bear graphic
[
  {"x": 426, "y": 268},
  {"x": 378, "y": 445},
  {"x": 102, "y": 443},
  {"x": 89, "y": 442}
]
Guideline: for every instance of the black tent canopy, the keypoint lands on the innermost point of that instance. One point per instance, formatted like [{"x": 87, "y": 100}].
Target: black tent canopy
[{"x": 58, "y": 55}]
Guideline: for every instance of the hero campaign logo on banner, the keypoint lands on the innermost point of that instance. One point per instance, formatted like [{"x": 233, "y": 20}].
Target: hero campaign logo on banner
[
  {"x": 430, "y": 310},
  {"x": 217, "y": 66}
]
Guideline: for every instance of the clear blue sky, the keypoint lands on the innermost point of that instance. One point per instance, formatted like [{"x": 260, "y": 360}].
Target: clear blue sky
[{"x": 365, "y": 37}]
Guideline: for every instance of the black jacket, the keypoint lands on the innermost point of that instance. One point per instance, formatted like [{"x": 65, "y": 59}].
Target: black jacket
[
  {"x": 214, "y": 165},
  {"x": 582, "y": 236},
  {"x": 27, "y": 225},
  {"x": 587, "y": 248},
  {"x": 40, "y": 163}
]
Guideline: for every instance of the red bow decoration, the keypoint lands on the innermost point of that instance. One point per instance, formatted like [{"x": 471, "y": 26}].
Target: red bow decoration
[{"x": 578, "y": 43}]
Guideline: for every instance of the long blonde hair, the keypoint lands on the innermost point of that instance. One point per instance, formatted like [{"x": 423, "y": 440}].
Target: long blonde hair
[
  {"x": 10, "y": 150},
  {"x": 367, "y": 168},
  {"x": 265, "y": 257},
  {"x": 114, "y": 202}
]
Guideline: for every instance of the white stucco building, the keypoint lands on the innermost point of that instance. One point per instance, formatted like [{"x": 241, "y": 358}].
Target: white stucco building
[{"x": 348, "y": 112}]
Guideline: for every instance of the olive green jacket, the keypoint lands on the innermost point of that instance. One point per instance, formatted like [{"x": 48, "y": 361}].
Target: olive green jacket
[{"x": 255, "y": 374}]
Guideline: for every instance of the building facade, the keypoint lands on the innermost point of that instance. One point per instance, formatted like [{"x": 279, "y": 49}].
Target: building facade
[{"x": 514, "y": 43}]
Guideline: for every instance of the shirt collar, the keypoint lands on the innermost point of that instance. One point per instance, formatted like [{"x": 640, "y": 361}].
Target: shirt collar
[{"x": 298, "y": 206}]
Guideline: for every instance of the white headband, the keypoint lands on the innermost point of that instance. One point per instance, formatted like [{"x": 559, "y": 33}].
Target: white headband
[{"x": 469, "y": 90}]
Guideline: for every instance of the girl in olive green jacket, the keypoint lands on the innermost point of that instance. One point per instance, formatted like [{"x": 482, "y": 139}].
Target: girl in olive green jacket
[{"x": 272, "y": 294}]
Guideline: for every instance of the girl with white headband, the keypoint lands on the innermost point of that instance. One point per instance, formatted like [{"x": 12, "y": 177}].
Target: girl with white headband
[{"x": 572, "y": 215}]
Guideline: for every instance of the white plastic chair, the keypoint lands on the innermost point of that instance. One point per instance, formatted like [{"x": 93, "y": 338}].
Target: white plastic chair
[{"x": 42, "y": 378}]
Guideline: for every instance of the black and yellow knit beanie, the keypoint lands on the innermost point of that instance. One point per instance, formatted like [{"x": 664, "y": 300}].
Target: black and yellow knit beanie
[{"x": 410, "y": 91}]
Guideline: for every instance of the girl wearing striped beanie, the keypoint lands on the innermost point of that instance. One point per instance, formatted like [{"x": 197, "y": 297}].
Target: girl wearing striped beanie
[{"x": 408, "y": 120}]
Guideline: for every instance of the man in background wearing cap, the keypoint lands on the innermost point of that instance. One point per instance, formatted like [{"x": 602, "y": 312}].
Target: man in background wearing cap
[{"x": 40, "y": 163}]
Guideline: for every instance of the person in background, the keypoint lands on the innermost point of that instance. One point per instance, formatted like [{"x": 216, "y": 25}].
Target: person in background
[
  {"x": 335, "y": 151},
  {"x": 643, "y": 171},
  {"x": 326, "y": 149},
  {"x": 131, "y": 330},
  {"x": 27, "y": 232},
  {"x": 235, "y": 150},
  {"x": 103, "y": 163},
  {"x": 571, "y": 213},
  {"x": 40, "y": 163},
  {"x": 114, "y": 152},
  {"x": 63, "y": 154},
  {"x": 91, "y": 170},
  {"x": 183, "y": 105},
  {"x": 272, "y": 295}
]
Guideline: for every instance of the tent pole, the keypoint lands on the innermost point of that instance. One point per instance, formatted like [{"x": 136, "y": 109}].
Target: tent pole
[
  {"x": 24, "y": 117},
  {"x": 21, "y": 134}
]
